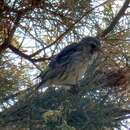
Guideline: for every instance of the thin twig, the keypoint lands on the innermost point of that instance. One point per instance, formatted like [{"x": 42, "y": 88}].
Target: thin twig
[{"x": 71, "y": 27}]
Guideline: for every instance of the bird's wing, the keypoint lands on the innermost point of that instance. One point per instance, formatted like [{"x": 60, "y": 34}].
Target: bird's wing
[
  {"x": 64, "y": 55},
  {"x": 49, "y": 73},
  {"x": 58, "y": 63}
]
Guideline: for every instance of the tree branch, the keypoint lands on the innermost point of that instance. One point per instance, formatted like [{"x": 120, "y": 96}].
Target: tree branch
[
  {"x": 11, "y": 34},
  {"x": 25, "y": 56},
  {"x": 116, "y": 19},
  {"x": 19, "y": 14},
  {"x": 70, "y": 28},
  {"x": 18, "y": 52}
]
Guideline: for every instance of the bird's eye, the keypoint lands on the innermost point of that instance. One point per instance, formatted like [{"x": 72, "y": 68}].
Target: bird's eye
[{"x": 93, "y": 46}]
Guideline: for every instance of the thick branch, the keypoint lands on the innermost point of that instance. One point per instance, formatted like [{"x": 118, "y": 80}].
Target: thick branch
[
  {"x": 25, "y": 56},
  {"x": 116, "y": 19},
  {"x": 18, "y": 52}
]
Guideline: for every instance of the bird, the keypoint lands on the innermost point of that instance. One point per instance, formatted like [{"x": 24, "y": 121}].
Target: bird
[{"x": 69, "y": 65}]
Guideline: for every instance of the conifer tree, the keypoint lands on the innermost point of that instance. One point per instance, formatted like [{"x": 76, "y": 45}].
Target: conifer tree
[{"x": 31, "y": 33}]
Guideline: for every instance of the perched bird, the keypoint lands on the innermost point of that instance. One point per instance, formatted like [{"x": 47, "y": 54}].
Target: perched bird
[{"x": 68, "y": 67}]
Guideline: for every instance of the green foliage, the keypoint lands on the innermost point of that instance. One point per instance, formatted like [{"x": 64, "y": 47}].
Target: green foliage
[
  {"x": 12, "y": 79},
  {"x": 90, "y": 108},
  {"x": 108, "y": 13}
]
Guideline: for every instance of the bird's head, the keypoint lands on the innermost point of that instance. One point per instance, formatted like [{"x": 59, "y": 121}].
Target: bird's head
[{"x": 92, "y": 43}]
